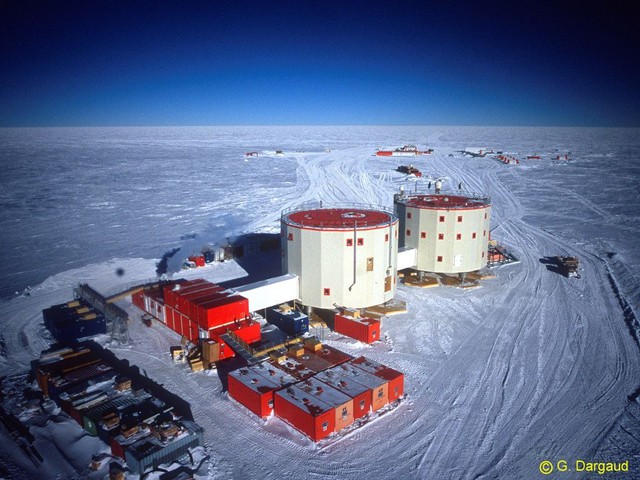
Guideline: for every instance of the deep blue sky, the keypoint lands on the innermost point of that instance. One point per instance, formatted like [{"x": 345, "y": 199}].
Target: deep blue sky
[{"x": 95, "y": 62}]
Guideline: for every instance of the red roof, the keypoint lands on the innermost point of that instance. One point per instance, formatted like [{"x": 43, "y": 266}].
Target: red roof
[{"x": 346, "y": 218}]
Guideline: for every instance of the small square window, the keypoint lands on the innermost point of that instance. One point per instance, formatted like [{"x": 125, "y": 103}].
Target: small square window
[
  {"x": 290, "y": 237},
  {"x": 423, "y": 234},
  {"x": 270, "y": 403},
  {"x": 325, "y": 425},
  {"x": 349, "y": 242},
  {"x": 473, "y": 235},
  {"x": 345, "y": 413},
  {"x": 327, "y": 292},
  {"x": 408, "y": 233},
  {"x": 360, "y": 242},
  {"x": 459, "y": 218},
  {"x": 441, "y": 236},
  {"x": 380, "y": 393},
  {"x": 374, "y": 334},
  {"x": 440, "y": 258},
  {"x": 408, "y": 214},
  {"x": 386, "y": 237},
  {"x": 362, "y": 404},
  {"x": 441, "y": 218},
  {"x": 458, "y": 236}
]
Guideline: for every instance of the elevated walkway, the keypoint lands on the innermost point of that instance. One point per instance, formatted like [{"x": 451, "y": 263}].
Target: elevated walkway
[
  {"x": 407, "y": 257},
  {"x": 273, "y": 291}
]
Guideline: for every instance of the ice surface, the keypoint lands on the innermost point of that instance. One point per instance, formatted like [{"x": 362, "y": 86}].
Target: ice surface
[{"x": 531, "y": 366}]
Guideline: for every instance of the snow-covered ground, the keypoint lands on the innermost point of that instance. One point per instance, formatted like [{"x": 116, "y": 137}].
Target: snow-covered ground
[{"x": 529, "y": 367}]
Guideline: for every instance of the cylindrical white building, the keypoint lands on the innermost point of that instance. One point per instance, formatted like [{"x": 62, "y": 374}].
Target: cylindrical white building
[
  {"x": 343, "y": 256},
  {"x": 449, "y": 232}
]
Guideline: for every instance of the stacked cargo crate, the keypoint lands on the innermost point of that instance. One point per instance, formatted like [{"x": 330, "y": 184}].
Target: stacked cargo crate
[{"x": 73, "y": 320}]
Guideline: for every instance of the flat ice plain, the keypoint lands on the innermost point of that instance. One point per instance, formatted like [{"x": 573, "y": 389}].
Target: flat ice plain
[{"x": 530, "y": 367}]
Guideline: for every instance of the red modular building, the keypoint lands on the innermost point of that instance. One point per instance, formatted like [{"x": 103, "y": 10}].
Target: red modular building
[
  {"x": 378, "y": 388},
  {"x": 252, "y": 390},
  {"x": 254, "y": 387},
  {"x": 305, "y": 412},
  {"x": 198, "y": 260},
  {"x": 193, "y": 307},
  {"x": 393, "y": 377},
  {"x": 341, "y": 403},
  {"x": 359, "y": 394},
  {"x": 364, "y": 329}
]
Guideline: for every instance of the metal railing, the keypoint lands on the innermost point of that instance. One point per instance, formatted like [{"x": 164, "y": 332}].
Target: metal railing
[{"x": 472, "y": 198}]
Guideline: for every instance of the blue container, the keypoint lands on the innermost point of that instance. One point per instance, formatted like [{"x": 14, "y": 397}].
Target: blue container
[
  {"x": 66, "y": 325},
  {"x": 293, "y": 323}
]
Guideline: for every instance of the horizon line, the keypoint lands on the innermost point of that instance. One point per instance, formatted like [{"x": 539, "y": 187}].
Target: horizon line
[{"x": 312, "y": 125}]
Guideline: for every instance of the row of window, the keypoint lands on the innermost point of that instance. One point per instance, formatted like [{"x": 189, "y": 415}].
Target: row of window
[
  {"x": 345, "y": 413},
  {"x": 360, "y": 241},
  {"x": 441, "y": 235},
  {"x": 442, "y": 217}
]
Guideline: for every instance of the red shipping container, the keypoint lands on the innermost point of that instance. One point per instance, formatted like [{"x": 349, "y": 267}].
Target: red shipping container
[
  {"x": 360, "y": 394},
  {"x": 366, "y": 330},
  {"x": 305, "y": 412},
  {"x": 223, "y": 311},
  {"x": 225, "y": 350},
  {"x": 195, "y": 299},
  {"x": 116, "y": 449},
  {"x": 177, "y": 322},
  {"x": 198, "y": 260},
  {"x": 187, "y": 296},
  {"x": 169, "y": 317},
  {"x": 169, "y": 297},
  {"x": 199, "y": 312},
  {"x": 155, "y": 292},
  {"x": 189, "y": 328},
  {"x": 252, "y": 390},
  {"x": 248, "y": 330},
  {"x": 395, "y": 378}
]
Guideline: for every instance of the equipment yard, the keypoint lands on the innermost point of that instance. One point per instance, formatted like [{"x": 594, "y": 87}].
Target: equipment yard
[{"x": 531, "y": 366}]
